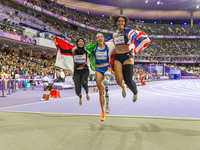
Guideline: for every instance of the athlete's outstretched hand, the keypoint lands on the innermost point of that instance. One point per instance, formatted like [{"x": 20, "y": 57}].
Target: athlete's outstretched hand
[
  {"x": 54, "y": 40},
  {"x": 74, "y": 49}
]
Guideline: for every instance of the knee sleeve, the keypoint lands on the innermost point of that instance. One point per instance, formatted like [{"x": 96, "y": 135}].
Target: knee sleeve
[
  {"x": 107, "y": 76},
  {"x": 128, "y": 74}
]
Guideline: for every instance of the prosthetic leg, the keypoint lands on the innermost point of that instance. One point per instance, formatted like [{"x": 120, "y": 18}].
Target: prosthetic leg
[{"x": 106, "y": 84}]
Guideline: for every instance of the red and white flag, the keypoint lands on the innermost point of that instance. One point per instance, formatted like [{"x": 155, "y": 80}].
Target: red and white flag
[{"x": 64, "y": 58}]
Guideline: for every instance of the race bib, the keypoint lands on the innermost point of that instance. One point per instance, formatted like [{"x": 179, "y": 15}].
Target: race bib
[
  {"x": 81, "y": 59},
  {"x": 101, "y": 55},
  {"x": 119, "y": 40}
]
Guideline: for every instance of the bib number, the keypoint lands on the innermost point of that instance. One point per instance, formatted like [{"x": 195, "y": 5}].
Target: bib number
[
  {"x": 101, "y": 55},
  {"x": 119, "y": 40},
  {"x": 80, "y": 59}
]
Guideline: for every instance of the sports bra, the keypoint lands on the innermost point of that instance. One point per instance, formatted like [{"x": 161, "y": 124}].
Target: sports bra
[{"x": 120, "y": 38}]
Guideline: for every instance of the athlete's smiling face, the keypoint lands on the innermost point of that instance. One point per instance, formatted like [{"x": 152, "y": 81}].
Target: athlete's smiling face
[
  {"x": 100, "y": 38},
  {"x": 120, "y": 23},
  {"x": 81, "y": 43}
]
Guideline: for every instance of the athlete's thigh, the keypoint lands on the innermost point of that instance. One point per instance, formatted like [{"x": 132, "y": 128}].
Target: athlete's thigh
[
  {"x": 99, "y": 80},
  {"x": 118, "y": 70}
]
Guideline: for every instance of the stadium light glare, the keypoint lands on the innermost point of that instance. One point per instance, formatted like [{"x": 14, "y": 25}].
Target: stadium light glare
[
  {"x": 103, "y": 15},
  {"x": 185, "y": 23},
  {"x": 197, "y": 6},
  {"x": 155, "y": 22},
  {"x": 74, "y": 8},
  {"x": 171, "y": 23},
  {"x": 142, "y": 21},
  {"x": 146, "y": 1},
  {"x": 88, "y": 12},
  {"x": 158, "y": 2}
]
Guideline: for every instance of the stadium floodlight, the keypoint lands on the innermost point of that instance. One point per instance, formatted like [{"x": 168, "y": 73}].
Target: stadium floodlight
[
  {"x": 171, "y": 23},
  {"x": 158, "y": 2},
  {"x": 155, "y": 22},
  {"x": 74, "y": 8},
  {"x": 88, "y": 12},
  {"x": 185, "y": 23},
  {"x": 146, "y": 1},
  {"x": 197, "y": 6},
  {"x": 103, "y": 15},
  {"x": 142, "y": 21}
]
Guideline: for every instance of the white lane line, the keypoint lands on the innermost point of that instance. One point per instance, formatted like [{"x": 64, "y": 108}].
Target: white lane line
[
  {"x": 177, "y": 92},
  {"x": 188, "y": 84},
  {"x": 190, "y": 89},
  {"x": 197, "y": 83},
  {"x": 59, "y": 99},
  {"x": 152, "y": 87},
  {"x": 171, "y": 95},
  {"x": 126, "y": 116}
]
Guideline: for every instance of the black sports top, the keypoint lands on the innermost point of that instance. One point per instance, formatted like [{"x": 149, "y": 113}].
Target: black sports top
[{"x": 120, "y": 38}]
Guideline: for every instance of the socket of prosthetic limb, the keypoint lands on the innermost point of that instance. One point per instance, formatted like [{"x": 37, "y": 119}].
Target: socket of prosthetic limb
[{"x": 107, "y": 78}]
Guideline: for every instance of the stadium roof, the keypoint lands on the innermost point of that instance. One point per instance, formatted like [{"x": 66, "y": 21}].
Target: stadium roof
[{"x": 140, "y": 9}]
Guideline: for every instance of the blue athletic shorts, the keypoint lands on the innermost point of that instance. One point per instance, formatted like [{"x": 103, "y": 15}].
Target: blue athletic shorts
[{"x": 102, "y": 70}]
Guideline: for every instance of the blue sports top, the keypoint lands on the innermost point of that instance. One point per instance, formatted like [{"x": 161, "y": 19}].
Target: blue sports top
[{"x": 101, "y": 56}]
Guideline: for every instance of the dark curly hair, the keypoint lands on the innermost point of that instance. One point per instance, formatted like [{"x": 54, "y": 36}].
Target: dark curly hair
[{"x": 115, "y": 18}]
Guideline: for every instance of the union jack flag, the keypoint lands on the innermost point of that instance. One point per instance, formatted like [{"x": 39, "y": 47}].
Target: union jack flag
[{"x": 138, "y": 40}]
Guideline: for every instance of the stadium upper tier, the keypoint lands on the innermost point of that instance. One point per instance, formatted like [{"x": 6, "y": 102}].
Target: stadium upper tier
[
  {"x": 157, "y": 46},
  {"x": 172, "y": 47},
  {"x": 104, "y": 23},
  {"x": 14, "y": 16}
]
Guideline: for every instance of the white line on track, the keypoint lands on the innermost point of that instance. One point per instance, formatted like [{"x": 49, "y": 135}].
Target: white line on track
[
  {"x": 188, "y": 84},
  {"x": 197, "y": 83},
  {"x": 190, "y": 89},
  {"x": 175, "y": 92},
  {"x": 170, "y": 95},
  {"x": 59, "y": 99},
  {"x": 126, "y": 116}
]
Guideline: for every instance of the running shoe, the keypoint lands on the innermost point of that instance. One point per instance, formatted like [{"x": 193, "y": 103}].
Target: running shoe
[
  {"x": 88, "y": 97},
  {"x": 81, "y": 100},
  {"x": 135, "y": 97},
  {"x": 103, "y": 115},
  {"x": 124, "y": 91}
]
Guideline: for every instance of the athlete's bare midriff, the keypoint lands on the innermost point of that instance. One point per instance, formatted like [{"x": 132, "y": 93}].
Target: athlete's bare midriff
[{"x": 120, "y": 49}]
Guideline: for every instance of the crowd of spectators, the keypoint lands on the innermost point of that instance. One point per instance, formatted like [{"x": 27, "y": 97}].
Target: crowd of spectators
[
  {"x": 104, "y": 22},
  {"x": 24, "y": 64},
  {"x": 172, "y": 47}
]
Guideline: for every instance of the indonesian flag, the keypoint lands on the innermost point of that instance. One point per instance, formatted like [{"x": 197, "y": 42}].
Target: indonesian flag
[{"x": 64, "y": 58}]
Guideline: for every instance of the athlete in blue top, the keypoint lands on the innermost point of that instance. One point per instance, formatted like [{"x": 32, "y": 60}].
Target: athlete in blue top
[{"x": 103, "y": 70}]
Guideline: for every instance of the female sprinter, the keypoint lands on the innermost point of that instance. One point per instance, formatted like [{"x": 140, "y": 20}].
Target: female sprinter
[
  {"x": 103, "y": 70},
  {"x": 81, "y": 70},
  {"x": 127, "y": 41},
  {"x": 99, "y": 56}
]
